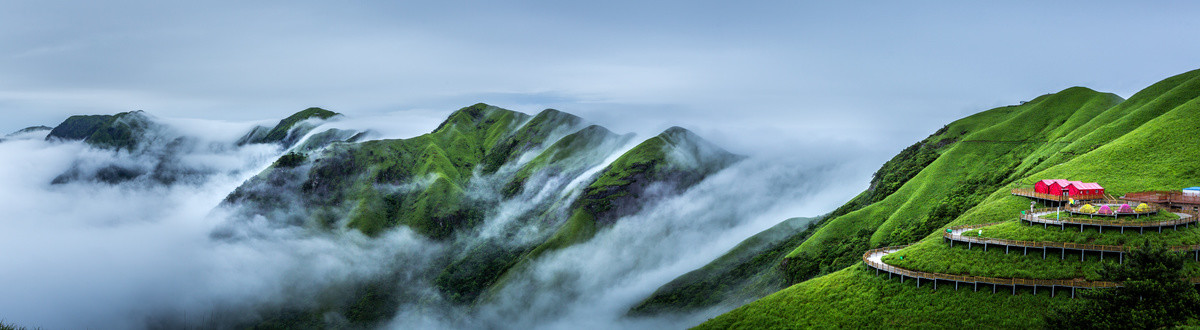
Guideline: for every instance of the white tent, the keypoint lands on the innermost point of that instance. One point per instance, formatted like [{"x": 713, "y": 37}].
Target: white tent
[{"x": 1193, "y": 191}]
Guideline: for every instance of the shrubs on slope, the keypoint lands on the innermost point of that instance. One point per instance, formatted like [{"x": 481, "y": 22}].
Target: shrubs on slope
[{"x": 1155, "y": 294}]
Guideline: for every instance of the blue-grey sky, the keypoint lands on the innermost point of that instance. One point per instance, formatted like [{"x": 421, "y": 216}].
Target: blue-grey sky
[{"x": 874, "y": 76}]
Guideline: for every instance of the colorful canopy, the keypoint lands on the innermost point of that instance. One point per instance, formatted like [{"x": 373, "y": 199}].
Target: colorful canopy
[
  {"x": 1087, "y": 208},
  {"x": 1142, "y": 208},
  {"x": 1125, "y": 208}
]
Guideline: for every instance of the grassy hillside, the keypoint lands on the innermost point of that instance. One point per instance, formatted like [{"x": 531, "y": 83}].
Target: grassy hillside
[
  {"x": 78, "y": 127},
  {"x": 963, "y": 161},
  {"x": 31, "y": 129},
  {"x": 283, "y": 131},
  {"x": 676, "y": 159},
  {"x": 856, "y": 298},
  {"x": 120, "y": 131},
  {"x": 744, "y": 273},
  {"x": 587, "y": 147},
  {"x": 443, "y": 184},
  {"x": 1144, "y": 143},
  {"x": 432, "y": 168}
]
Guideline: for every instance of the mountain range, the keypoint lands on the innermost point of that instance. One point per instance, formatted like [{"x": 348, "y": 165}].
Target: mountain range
[{"x": 496, "y": 190}]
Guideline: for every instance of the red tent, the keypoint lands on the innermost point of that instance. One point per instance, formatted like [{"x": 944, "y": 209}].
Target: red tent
[
  {"x": 1053, "y": 187},
  {"x": 1073, "y": 188},
  {"x": 1076, "y": 188}
]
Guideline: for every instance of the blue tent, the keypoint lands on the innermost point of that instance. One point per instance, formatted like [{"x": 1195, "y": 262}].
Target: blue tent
[{"x": 1193, "y": 191}]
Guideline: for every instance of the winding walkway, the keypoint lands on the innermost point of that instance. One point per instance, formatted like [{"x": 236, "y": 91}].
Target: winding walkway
[
  {"x": 874, "y": 257},
  {"x": 1185, "y": 220},
  {"x": 955, "y": 234}
]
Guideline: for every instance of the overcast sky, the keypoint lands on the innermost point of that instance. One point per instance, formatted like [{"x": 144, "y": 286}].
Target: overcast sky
[{"x": 756, "y": 77}]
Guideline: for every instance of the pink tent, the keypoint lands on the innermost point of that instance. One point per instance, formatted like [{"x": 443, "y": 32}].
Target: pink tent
[
  {"x": 1125, "y": 208},
  {"x": 1104, "y": 209}
]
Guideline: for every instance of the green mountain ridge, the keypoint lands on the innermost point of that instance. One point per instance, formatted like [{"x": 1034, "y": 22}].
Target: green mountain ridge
[
  {"x": 289, "y": 130},
  {"x": 157, "y": 147},
  {"x": 444, "y": 184},
  {"x": 745, "y": 273},
  {"x": 120, "y": 131},
  {"x": 31, "y": 130},
  {"x": 963, "y": 175}
]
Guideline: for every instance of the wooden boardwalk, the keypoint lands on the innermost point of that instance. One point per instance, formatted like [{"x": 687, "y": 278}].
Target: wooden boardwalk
[
  {"x": 1046, "y": 247},
  {"x": 874, "y": 259},
  {"x": 1173, "y": 199},
  {"x": 1054, "y": 198},
  {"x": 1186, "y": 219}
]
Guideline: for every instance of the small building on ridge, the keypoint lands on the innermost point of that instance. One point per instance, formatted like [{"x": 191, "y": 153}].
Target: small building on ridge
[{"x": 1073, "y": 188}]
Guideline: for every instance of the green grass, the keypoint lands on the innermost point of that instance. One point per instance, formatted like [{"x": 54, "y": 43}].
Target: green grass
[
  {"x": 744, "y": 273},
  {"x": 120, "y": 131},
  {"x": 938, "y": 257},
  {"x": 856, "y": 298},
  {"x": 1144, "y": 143},
  {"x": 972, "y": 149},
  {"x": 617, "y": 191},
  {"x": 420, "y": 183},
  {"x": 1090, "y": 235},
  {"x": 280, "y": 131},
  {"x": 1160, "y": 216},
  {"x": 572, "y": 154},
  {"x": 79, "y": 127},
  {"x": 530, "y": 135}
]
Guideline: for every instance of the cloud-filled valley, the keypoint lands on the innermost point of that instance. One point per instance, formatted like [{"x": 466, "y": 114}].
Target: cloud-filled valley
[{"x": 148, "y": 253}]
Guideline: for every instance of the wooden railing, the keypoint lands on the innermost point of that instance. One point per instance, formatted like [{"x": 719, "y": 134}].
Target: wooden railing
[
  {"x": 1032, "y": 244},
  {"x": 978, "y": 225},
  {"x": 1042, "y": 244},
  {"x": 1191, "y": 218},
  {"x": 1031, "y": 193},
  {"x": 1162, "y": 197},
  {"x": 979, "y": 279},
  {"x": 1074, "y": 283},
  {"x": 1133, "y": 204}
]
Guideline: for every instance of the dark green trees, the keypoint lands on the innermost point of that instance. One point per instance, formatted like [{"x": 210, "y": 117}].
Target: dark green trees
[{"x": 1154, "y": 294}]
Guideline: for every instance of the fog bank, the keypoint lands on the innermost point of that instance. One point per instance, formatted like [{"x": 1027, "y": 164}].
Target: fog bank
[{"x": 137, "y": 254}]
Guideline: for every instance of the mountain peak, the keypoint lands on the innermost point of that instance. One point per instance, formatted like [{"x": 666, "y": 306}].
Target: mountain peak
[
  {"x": 281, "y": 131},
  {"x": 32, "y": 129},
  {"x": 555, "y": 114},
  {"x": 677, "y": 133},
  {"x": 471, "y": 115},
  {"x": 114, "y": 131}
]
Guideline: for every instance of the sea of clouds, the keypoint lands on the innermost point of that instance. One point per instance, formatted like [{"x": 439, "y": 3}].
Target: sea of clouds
[{"x": 140, "y": 253}]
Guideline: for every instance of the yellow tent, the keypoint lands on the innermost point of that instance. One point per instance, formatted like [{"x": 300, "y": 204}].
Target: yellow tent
[
  {"x": 1142, "y": 208},
  {"x": 1087, "y": 208}
]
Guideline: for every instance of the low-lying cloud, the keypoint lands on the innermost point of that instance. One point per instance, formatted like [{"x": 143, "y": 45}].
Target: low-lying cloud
[{"x": 129, "y": 255}]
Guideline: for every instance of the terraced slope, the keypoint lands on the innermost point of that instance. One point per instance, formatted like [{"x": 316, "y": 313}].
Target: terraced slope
[
  {"x": 971, "y": 157},
  {"x": 1144, "y": 143}
]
